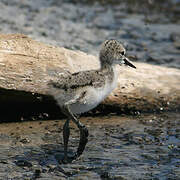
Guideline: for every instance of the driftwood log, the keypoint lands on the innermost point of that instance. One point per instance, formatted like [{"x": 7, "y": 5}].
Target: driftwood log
[{"x": 27, "y": 66}]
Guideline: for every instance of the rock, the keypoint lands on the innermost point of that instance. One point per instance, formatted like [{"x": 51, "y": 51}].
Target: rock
[
  {"x": 174, "y": 37},
  {"x": 23, "y": 163},
  {"x": 27, "y": 66}
]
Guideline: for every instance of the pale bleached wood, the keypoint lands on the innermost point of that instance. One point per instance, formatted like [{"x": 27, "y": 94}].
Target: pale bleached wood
[{"x": 27, "y": 65}]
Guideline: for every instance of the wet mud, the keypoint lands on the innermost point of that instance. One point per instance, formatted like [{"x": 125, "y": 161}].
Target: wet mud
[{"x": 119, "y": 147}]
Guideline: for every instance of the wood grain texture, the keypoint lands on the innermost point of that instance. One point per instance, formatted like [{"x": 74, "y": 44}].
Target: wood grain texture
[{"x": 28, "y": 66}]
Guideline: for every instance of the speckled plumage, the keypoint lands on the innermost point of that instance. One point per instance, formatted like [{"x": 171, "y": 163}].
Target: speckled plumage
[
  {"x": 81, "y": 79},
  {"x": 78, "y": 85},
  {"x": 87, "y": 88},
  {"x": 82, "y": 91},
  {"x": 111, "y": 51}
]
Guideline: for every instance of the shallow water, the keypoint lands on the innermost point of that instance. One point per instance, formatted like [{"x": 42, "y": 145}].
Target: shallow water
[
  {"x": 150, "y": 30},
  {"x": 119, "y": 147}
]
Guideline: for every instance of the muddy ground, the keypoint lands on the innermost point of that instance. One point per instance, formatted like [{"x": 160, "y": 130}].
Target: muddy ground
[
  {"x": 126, "y": 147},
  {"x": 120, "y": 147}
]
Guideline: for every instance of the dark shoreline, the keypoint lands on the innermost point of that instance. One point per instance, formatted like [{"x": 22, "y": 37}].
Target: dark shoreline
[{"x": 121, "y": 146}]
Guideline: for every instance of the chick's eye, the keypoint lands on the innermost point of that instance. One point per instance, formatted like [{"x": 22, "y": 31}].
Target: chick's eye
[{"x": 123, "y": 53}]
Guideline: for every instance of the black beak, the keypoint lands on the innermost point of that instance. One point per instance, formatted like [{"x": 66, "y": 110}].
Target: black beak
[{"x": 126, "y": 62}]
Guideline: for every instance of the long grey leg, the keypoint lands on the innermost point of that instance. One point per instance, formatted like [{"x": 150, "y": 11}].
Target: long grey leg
[
  {"x": 66, "y": 133},
  {"x": 83, "y": 137},
  {"x": 83, "y": 132}
]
